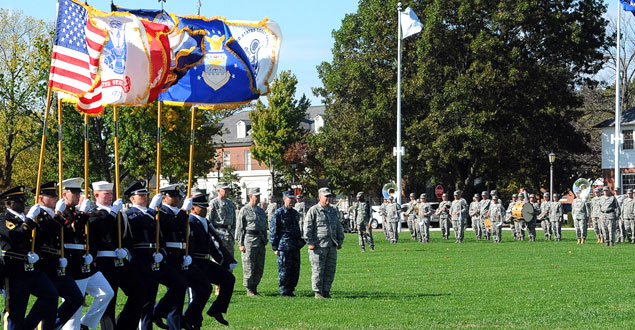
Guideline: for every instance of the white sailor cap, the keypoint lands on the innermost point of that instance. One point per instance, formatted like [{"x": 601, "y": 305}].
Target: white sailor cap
[
  {"x": 102, "y": 185},
  {"x": 73, "y": 183}
]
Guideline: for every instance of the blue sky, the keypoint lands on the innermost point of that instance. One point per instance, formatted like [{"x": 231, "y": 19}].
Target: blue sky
[{"x": 306, "y": 25}]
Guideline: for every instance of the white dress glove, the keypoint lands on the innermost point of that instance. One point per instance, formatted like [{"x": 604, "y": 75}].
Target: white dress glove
[
  {"x": 232, "y": 266},
  {"x": 116, "y": 206},
  {"x": 60, "y": 206},
  {"x": 187, "y": 260},
  {"x": 121, "y": 253},
  {"x": 187, "y": 204},
  {"x": 85, "y": 206},
  {"x": 32, "y": 257},
  {"x": 88, "y": 259},
  {"x": 63, "y": 262},
  {"x": 156, "y": 201},
  {"x": 34, "y": 211},
  {"x": 158, "y": 257}
]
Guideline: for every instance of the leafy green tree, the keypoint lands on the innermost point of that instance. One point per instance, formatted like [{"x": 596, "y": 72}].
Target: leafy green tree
[
  {"x": 488, "y": 90},
  {"x": 23, "y": 77},
  {"x": 230, "y": 176},
  {"x": 276, "y": 126}
]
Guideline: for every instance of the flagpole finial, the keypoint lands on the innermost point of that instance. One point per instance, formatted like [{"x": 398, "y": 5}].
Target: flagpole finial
[
  {"x": 161, "y": 2},
  {"x": 199, "y": 4},
  {"x": 399, "y": 5}
]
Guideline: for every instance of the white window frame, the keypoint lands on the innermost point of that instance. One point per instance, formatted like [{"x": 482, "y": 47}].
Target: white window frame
[
  {"x": 247, "y": 160},
  {"x": 628, "y": 181},
  {"x": 226, "y": 159},
  {"x": 628, "y": 139}
]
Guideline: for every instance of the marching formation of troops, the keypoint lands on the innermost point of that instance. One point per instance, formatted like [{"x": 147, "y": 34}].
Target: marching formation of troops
[
  {"x": 67, "y": 248},
  {"x": 612, "y": 217}
]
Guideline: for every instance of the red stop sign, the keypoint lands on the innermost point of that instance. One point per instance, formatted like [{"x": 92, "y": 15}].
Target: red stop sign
[{"x": 438, "y": 191}]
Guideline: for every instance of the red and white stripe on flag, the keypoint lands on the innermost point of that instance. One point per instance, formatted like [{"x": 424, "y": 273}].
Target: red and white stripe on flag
[{"x": 75, "y": 60}]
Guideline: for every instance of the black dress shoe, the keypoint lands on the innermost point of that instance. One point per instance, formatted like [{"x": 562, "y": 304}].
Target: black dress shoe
[
  {"x": 158, "y": 321},
  {"x": 188, "y": 326},
  {"x": 218, "y": 317}
]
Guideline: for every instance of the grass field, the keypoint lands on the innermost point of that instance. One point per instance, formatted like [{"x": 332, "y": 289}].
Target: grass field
[{"x": 410, "y": 285}]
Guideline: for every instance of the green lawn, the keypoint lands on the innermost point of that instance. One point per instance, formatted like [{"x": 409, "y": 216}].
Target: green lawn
[{"x": 410, "y": 285}]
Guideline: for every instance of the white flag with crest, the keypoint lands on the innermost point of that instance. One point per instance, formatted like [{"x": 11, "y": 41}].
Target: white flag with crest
[{"x": 410, "y": 23}]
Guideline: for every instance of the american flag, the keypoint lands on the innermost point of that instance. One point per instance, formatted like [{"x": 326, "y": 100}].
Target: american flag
[{"x": 75, "y": 60}]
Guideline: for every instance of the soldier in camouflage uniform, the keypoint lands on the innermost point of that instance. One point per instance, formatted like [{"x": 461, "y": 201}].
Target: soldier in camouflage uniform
[
  {"x": 458, "y": 212},
  {"x": 609, "y": 212},
  {"x": 300, "y": 206},
  {"x": 531, "y": 226},
  {"x": 425, "y": 212},
  {"x": 271, "y": 208},
  {"x": 555, "y": 216},
  {"x": 619, "y": 224},
  {"x": 544, "y": 216},
  {"x": 392, "y": 217},
  {"x": 628, "y": 214},
  {"x": 497, "y": 216},
  {"x": 384, "y": 223},
  {"x": 595, "y": 215},
  {"x": 412, "y": 217},
  {"x": 474, "y": 211},
  {"x": 223, "y": 216},
  {"x": 251, "y": 236},
  {"x": 324, "y": 235},
  {"x": 286, "y": 241},
  {"x": 484, "y": 206},
  {"x": 581, "y": 211},
  {"x": 361, "y": 215},
  {"x": 444, "y": 216}
]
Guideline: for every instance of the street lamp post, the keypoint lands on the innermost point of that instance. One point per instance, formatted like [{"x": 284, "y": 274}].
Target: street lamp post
[
  {"x": 552, "y": 159},
  {"x": 218, "y": 164}
]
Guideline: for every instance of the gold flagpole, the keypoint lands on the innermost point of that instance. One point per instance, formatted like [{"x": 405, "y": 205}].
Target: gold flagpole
[
  {"x": 189, "y": 181},
  {"x": 39, "y": 169},
  {"x": 118, "y": 262},
  {"x": 62, "y": 270},
  {"x": 86, "y": 268},
  {"x": 156, "y": 266}
]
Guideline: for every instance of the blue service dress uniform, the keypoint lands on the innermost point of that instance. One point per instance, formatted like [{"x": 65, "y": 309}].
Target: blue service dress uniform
[
  {"x": 19, "y": 284},
  {"x": 142, "y": 245},
  {"x": 49, "y": 234},
  {"x": 103, "y": 239},
  {"x": 205, "y": 243},
  {"x": 174, "y": 231},
  {"x": 286, "y": 238}
]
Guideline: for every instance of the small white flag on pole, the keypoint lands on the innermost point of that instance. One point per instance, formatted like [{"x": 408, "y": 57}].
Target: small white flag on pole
[{"x": 410, "y": 23}]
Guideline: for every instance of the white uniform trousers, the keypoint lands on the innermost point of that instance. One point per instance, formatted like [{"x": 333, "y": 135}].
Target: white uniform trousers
[{"x": 97, "y": 286}]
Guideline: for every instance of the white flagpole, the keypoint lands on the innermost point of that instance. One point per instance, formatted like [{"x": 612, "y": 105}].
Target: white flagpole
[
  {"x": 398, "y": 149},
  {"x": 618, "y": 133}
]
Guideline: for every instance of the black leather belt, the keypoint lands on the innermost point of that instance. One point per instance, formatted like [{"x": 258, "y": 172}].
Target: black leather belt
[
  {"x": 200, "y": 256},
  {"x": 14, "y": 255},
  {"x": 144, "y": 246},
  {"x": 254, "y": 232},
  {"x": 223, "y": 226}
]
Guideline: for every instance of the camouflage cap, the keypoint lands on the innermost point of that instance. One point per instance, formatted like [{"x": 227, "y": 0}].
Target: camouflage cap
[
  {"x": 423, "y": 195},
  {"x": 222, "y": 185},
  {"x": 360, "y": 194},
  {"x": 605, "y": 188}
]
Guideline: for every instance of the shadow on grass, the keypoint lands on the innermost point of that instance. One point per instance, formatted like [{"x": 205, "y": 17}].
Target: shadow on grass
[{"x": 367, "y": 294}]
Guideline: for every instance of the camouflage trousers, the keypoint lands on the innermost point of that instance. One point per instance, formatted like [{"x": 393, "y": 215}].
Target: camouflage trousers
[
  {"x": 556, "y": 227},
  {"x": 597, "y": 227},
  {"x": 459, "y": 230},
  {"x": 323, "y": 262},
  {"x": 386, "y": 228},
  {"x": 228, "y": 239},
  {"x": 365, "y": 234},
  {"x": 546, "y": 227},
  {"x": 424, "y": 228},
  {"x": 444, "y": 224},
  {"x": 412, "y": 227},
  {"x": 253, "y": 266},
  {"x": 497, "y": 233},
  {"x": 476, "y": 226},
  {"x": 621, "y": 231},
  {"x": 518, "y": 227},
  {"x": 580, "y": 227},
  {"x": 608, "y": 230},
  {"x": 288, "y": 270},
  {"x": 393, "y": 229},
  {"x": 630, "y": 229}
]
